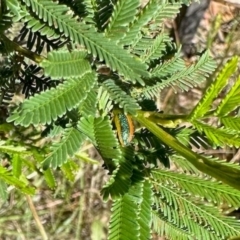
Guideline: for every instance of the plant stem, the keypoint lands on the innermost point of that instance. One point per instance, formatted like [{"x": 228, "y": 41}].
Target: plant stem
[
  {"x": 221, "y": 172},
  {"x": 23, "y": 51},
  {"x": 36, "y": 218},
  {"x": 166, "y": 120}
]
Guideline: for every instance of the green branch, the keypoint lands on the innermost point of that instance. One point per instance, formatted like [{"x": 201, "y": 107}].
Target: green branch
[
  {"x": 23, "y": 51},
  {"x": 166, "y": 120},
  {"x": 219, "y": 171}
]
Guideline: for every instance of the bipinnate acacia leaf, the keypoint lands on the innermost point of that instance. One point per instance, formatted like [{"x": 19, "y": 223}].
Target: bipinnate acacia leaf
[
  {"x": 47, "y": 106},
  {"x": 62, "y": 64},
  {"x": 120, "y": 179},
  {"x": 231, "y": 101},
  {"x": 60, "y": 151},
  {"x": 123, "y": 224},
  {"x": 55, "y": 15},
  {"x": 212, "y": 92}
]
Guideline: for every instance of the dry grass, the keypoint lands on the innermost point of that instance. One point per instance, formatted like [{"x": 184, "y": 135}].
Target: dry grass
[{"x": 74, "y": 210}]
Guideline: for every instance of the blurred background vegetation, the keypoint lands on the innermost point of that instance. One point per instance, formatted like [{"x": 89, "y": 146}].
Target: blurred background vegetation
[{"x": 75, "y": 210}]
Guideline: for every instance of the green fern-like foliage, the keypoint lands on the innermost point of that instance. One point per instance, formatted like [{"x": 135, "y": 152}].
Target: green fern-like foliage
[
  {"x": 120, "y": 180},
  {"x": 71, "y": 142},
  {"x": 120, "y": 97},
  {"x": 71, "y": 99},
  {"x": 204, "y": 105},
  {"x": 132, "y": 213}
]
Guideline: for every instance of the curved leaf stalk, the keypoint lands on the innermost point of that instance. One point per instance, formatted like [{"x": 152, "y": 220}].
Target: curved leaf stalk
[
  {"x": 166, "y": 120},
  {"x": 219, "y": 171}
]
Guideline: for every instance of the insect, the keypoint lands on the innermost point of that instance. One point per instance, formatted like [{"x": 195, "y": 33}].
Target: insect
[{"x": 125, "y": 127}]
